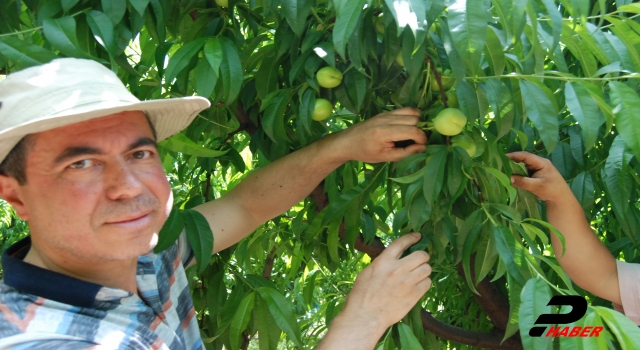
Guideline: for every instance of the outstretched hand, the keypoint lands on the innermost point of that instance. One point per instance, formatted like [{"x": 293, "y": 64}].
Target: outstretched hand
[
  {"x": 372, "y": 141},
  {"x": 386, "y": 290},
  {"x": 545, "y": 181}
]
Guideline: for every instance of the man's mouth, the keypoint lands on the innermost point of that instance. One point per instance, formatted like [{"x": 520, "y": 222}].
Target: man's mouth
[{"x": 130, "y": 218}]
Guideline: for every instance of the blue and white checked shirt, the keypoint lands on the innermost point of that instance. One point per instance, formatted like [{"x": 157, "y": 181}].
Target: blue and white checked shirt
[{"x": 42, "y": 309}]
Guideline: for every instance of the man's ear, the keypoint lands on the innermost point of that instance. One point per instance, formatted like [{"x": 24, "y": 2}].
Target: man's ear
[{"x": 11, "y": 191}]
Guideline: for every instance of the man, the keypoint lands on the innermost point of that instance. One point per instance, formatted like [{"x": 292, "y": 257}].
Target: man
[
  {"x": 586, "y": 259},
  {"x": 80, "y": 164}
]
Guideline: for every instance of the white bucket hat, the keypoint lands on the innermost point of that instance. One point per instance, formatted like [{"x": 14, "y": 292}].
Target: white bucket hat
[{"x": 70, "y": 90}]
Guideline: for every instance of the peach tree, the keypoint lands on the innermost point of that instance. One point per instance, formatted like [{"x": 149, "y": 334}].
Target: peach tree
[{"x": 556, "y": 78}]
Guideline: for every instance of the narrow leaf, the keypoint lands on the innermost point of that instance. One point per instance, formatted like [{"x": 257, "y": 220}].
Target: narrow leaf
[
  {"x": 542, "y": 111},
  {"x": 200, "y": 237}
]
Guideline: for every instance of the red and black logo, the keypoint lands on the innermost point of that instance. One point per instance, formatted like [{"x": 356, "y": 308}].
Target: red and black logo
[{"x": 578, "y": 310}]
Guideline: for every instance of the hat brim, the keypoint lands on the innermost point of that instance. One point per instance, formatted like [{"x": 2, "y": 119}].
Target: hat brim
[{"x": 169, "y": 117}]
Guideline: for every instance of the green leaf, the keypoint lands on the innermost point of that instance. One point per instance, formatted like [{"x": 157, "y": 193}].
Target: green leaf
[
  {"x": 267, "y": 326},
  {"x": 617, "y": 187},
  {"x": 434, "y": 176},
  {"x": 309, "y": 288},
  {"x": 469, "y": 243},
  {"x": 338, "y": 207},
  {"x": 535, "y": 296},
  {"x": 508, "y": 211},
  {"x": 282, "y": 312},
  {"x": 412, "y": 14},
  {"x": 515, "y": 289},
  {"x": 348, "y": 15},
  {"x": 102, "y": 29},
  {"x": 510, "y": 251},
  {"x": 61, "y": 33},
  {"x": 542, "y": 111},
  {"x": 205, "y": 77},
  {"x": 200, "y": 237},
  {"x": 115, "y": 9},
  {"x": 626, "y": 106},
  {"x": 468, "y": 22},
  {"x": 598, "y": 96},
  {"x": 585, "y": 110},
  {"x": 213, "y": 53},
  {"x": 633, "y": 8},
  {"x": 296, "y": 13},
  {"x": 181, "y": 143},
  {"x": 274, "y": 107},
  {"x": 628, "y": 36},
  {"x": 625, "y": 331},
  {"x": 267, "y": 76},
  {"x": 407, "y": 339},
  {"x": 584, "y": 190},
  {"x": 181, "y": 58},
  {"x": 140, "y": 6},
  {"x": 534, "y": 232},
  {"x": 504, "y": 181},
  {"x": 333, "y": 237},
  {"x": 409, "y": 178},
  {"x": 305, "y": 109},
  {"x": 581, "y": 51},
  {"x": 68, "y": 4},
  {"x": 23, "y": 54},
  {"x": 556, "y": 22},
  {"x": 493, "y": 51},
  {"x": 230, "y": 70},
  {"x": 240, "y": 320},
  {"x": 474, "y": 219},
  {"x": 552, "y": 229},
  {"x": 170, "y": 231}
]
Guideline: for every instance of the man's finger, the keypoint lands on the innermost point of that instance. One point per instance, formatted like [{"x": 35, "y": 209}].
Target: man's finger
[
  {"x": 530, "y": 160},
  {"x": 415, "y": 259},
  {"x": 405, "y": 111},
  {"x": 526, "y": 183},
  {"x": 395, "y": 249},
  {"x": 399, "y": 119},
  {"x": 396, "y": 154},
  {"x": 403, "y": 132},
  {"x": 421, "y": 272}
]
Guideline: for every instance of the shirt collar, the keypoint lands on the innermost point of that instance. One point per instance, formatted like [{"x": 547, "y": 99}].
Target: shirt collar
[{"x": 50, "y": 284}]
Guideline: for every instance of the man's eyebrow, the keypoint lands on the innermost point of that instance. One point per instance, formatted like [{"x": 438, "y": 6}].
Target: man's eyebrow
[
  {"x": 73, "y": 152},
  {"x": 143, "y": 141}
]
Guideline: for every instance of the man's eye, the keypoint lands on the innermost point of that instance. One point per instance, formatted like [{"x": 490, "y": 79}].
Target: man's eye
[
  {"x": 141, "y": 154},
  {"x": 81, "y": 164}
]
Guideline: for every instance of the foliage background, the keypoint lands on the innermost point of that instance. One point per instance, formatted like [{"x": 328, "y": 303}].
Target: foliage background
[{"x": 557, "y": 78}]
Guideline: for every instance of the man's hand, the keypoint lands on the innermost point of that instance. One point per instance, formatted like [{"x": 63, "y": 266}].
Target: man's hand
[
  {"x": 586, "y": 259},
  {"x": 372, "y": 141},
  {"x": 382, "y": 295},
  {"x": 545, "y": 182},
  {"x": 273, "y": 189}
]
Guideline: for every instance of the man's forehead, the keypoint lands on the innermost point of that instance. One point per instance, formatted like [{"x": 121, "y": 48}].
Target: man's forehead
[
  {"x": 134, "y": 120},
  {"x": 133, "y": 124}
]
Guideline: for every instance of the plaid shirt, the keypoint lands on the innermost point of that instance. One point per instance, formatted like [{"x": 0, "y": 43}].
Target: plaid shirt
[{"x": 42, "y": 309}]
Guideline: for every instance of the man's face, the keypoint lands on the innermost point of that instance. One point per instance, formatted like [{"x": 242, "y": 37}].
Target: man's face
[{"x": 96, "y": 190}]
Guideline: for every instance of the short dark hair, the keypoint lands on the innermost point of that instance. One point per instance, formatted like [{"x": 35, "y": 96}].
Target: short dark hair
[{"x": 15, "y": 163}]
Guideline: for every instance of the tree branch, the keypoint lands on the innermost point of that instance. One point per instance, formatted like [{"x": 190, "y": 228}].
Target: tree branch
[
  {"x": 489, "y": 340},
  {"x": 268, "y": 265}
]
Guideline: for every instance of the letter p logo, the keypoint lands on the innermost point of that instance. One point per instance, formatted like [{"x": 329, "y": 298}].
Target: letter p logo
[{"x": 579, "y": 309}]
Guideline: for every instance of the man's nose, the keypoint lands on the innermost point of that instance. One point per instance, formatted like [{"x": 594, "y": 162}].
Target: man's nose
[{"x": 122, "y": 181}]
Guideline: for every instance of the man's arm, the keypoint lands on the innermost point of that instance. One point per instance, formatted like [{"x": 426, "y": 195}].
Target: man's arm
[
  {"x": 586, "y": 260},
  {"x": 384, "y": 292},
  {"x": 272, "y": 190}
]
